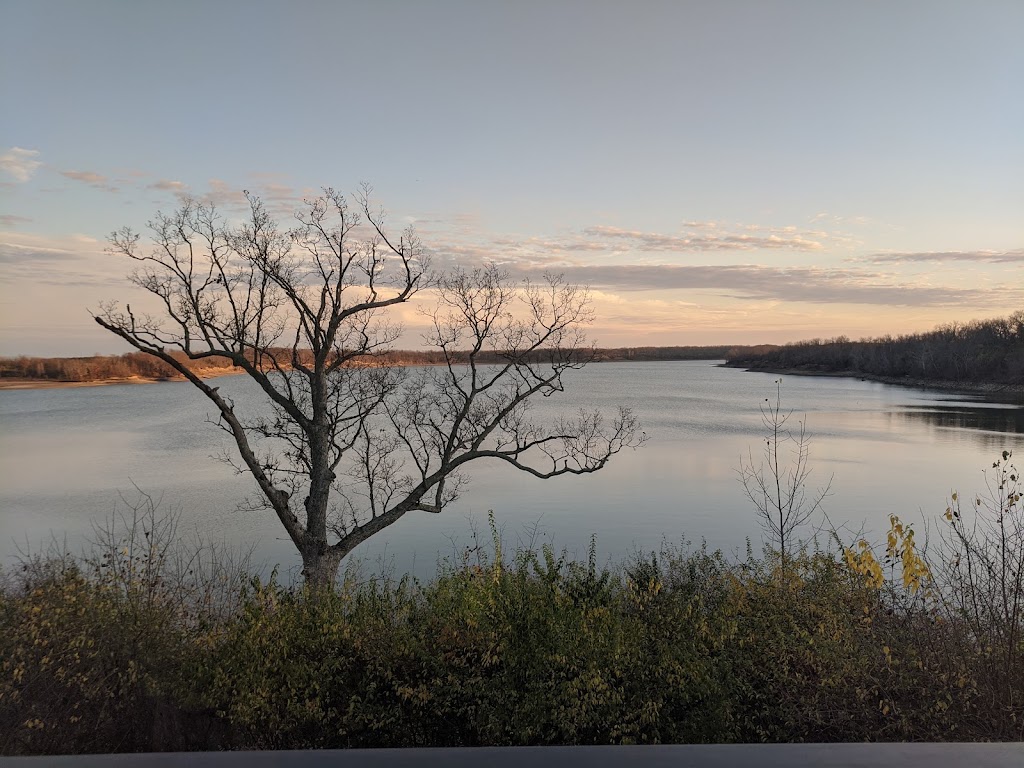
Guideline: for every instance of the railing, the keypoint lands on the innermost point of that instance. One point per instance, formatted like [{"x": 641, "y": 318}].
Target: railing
[{"x": 680, "y": 756}]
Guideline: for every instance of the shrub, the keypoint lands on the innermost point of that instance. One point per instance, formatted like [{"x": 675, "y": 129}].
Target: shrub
[{"x": 143, "y": 646}]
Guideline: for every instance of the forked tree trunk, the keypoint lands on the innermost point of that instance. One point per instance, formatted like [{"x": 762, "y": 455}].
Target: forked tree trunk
[{"x": 320, "y": 567}]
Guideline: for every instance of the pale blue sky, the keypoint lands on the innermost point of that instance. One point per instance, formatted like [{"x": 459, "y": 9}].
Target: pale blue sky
[{"x": 717, "y": 171}]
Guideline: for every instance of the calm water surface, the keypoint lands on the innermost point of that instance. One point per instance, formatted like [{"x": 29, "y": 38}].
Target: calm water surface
[{"x": 66, "y": 454}]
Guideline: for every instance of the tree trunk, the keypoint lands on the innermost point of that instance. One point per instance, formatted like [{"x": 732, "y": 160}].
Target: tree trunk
[{"x": 320, "y": 567}]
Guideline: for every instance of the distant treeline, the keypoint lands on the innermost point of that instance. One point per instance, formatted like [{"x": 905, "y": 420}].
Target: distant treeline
[
  {"x": 680, "y": 353},
  {"x": 101, "y": 367},
  {"x": 980, "y": 351},
  {"x": 139, "y": 365},
  {"x": 723, "y": 352},
  {"x": 989, "y": 351}
]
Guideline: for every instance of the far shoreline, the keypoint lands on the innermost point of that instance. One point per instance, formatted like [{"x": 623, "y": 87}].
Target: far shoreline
[
  {"x": 31, "y": 383},
  {"x": 1014, "y": 392},
  {"x": 985, "y": 389},
  {"x": 55, "y": 384},
  {"x": 23, "y": 383}
]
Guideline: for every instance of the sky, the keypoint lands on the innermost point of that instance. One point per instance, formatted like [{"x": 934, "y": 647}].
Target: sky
[{"x": 716, "y": 172}]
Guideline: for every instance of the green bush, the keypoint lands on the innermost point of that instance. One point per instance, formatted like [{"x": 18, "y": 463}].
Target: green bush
[
  {"x": 130, "y": 650},
  {"x": 82, "y": 669}
]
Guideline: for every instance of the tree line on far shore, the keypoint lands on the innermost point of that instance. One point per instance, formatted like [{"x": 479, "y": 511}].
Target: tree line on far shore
[
  {"x": 138, "y": 365},
  {"x": 981, "y": 350},
  {"x": 99, "y": 368},
  {"x": 978, "y": 351}
]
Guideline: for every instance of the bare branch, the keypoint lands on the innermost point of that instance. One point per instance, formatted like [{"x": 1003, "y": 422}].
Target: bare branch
[
  {"x": 777, "y": 487},
  {"x": 304, "y": 313}
]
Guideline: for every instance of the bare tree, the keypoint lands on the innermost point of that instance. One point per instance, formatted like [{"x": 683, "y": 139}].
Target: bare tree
[
  {"x": 360, "y": 441},
  {"x": 982, "y": 567},
  {"x": 777, "y": 486}
]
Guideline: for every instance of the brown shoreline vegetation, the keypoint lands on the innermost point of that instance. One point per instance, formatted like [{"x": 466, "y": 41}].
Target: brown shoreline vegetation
[
  {"x": 25, "y": 372},
  {"x": 134, "y": 367},
  {"x": 982, "y": 357}
]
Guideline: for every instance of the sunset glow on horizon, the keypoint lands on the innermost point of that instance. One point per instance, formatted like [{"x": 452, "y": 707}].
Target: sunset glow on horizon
[{"x": 717, "y": 173}]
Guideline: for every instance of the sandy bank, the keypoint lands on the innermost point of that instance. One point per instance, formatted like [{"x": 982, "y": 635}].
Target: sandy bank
[
  {"x": 51, "y": 384},
  {"x": 14, "y": 383}
]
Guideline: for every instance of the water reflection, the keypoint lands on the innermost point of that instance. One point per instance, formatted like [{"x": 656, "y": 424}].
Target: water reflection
[
  {"x": 65, "y": 455},
  {"x": 990, "y": 426}
]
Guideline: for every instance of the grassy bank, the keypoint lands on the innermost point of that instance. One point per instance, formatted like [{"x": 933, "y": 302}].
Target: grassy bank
[{"x": 145, "y": 646}]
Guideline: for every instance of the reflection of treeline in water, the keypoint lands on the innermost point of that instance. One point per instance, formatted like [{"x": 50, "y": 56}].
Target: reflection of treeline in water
[
  {"x": 1009, "y": 420},
  {"x": 139, "y": 365},
  {"x": 979, "y": 351}
]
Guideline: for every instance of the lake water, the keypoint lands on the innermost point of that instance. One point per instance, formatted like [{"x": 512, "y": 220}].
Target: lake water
[{"x": 65, "y": 454}]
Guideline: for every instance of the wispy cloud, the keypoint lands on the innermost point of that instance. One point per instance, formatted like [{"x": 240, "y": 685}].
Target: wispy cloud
[
  {"x": 10, "y": 220},
  {"x": 168, "y": 185},
  {"x": 17, "y": 253},
  {"x": 465, "y": 240},
  {"x": 224, "y": 196},
  {"x": 20, "y": 163},
  {"x": 281, "y": 200},
  {"x": 87, "y": 177},
  {"x": 830, "y": 217},
  {"x": 599, "y": 256},
  {"x": 653, "y": 241},
  {"x": 466, "y": 245},
  {"x": 992, "y": 257},
  {"x": 798, "y": 284},
  {"x": 72, "y": 260},
  {"x": 93, "y": 179},
  {"x": 177, "y": 188}
]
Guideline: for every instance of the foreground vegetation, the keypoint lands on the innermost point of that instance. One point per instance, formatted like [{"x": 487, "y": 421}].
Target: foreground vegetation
[
  {"x": 145, "y": 645},
  {"x": 983, "y": 351}
]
